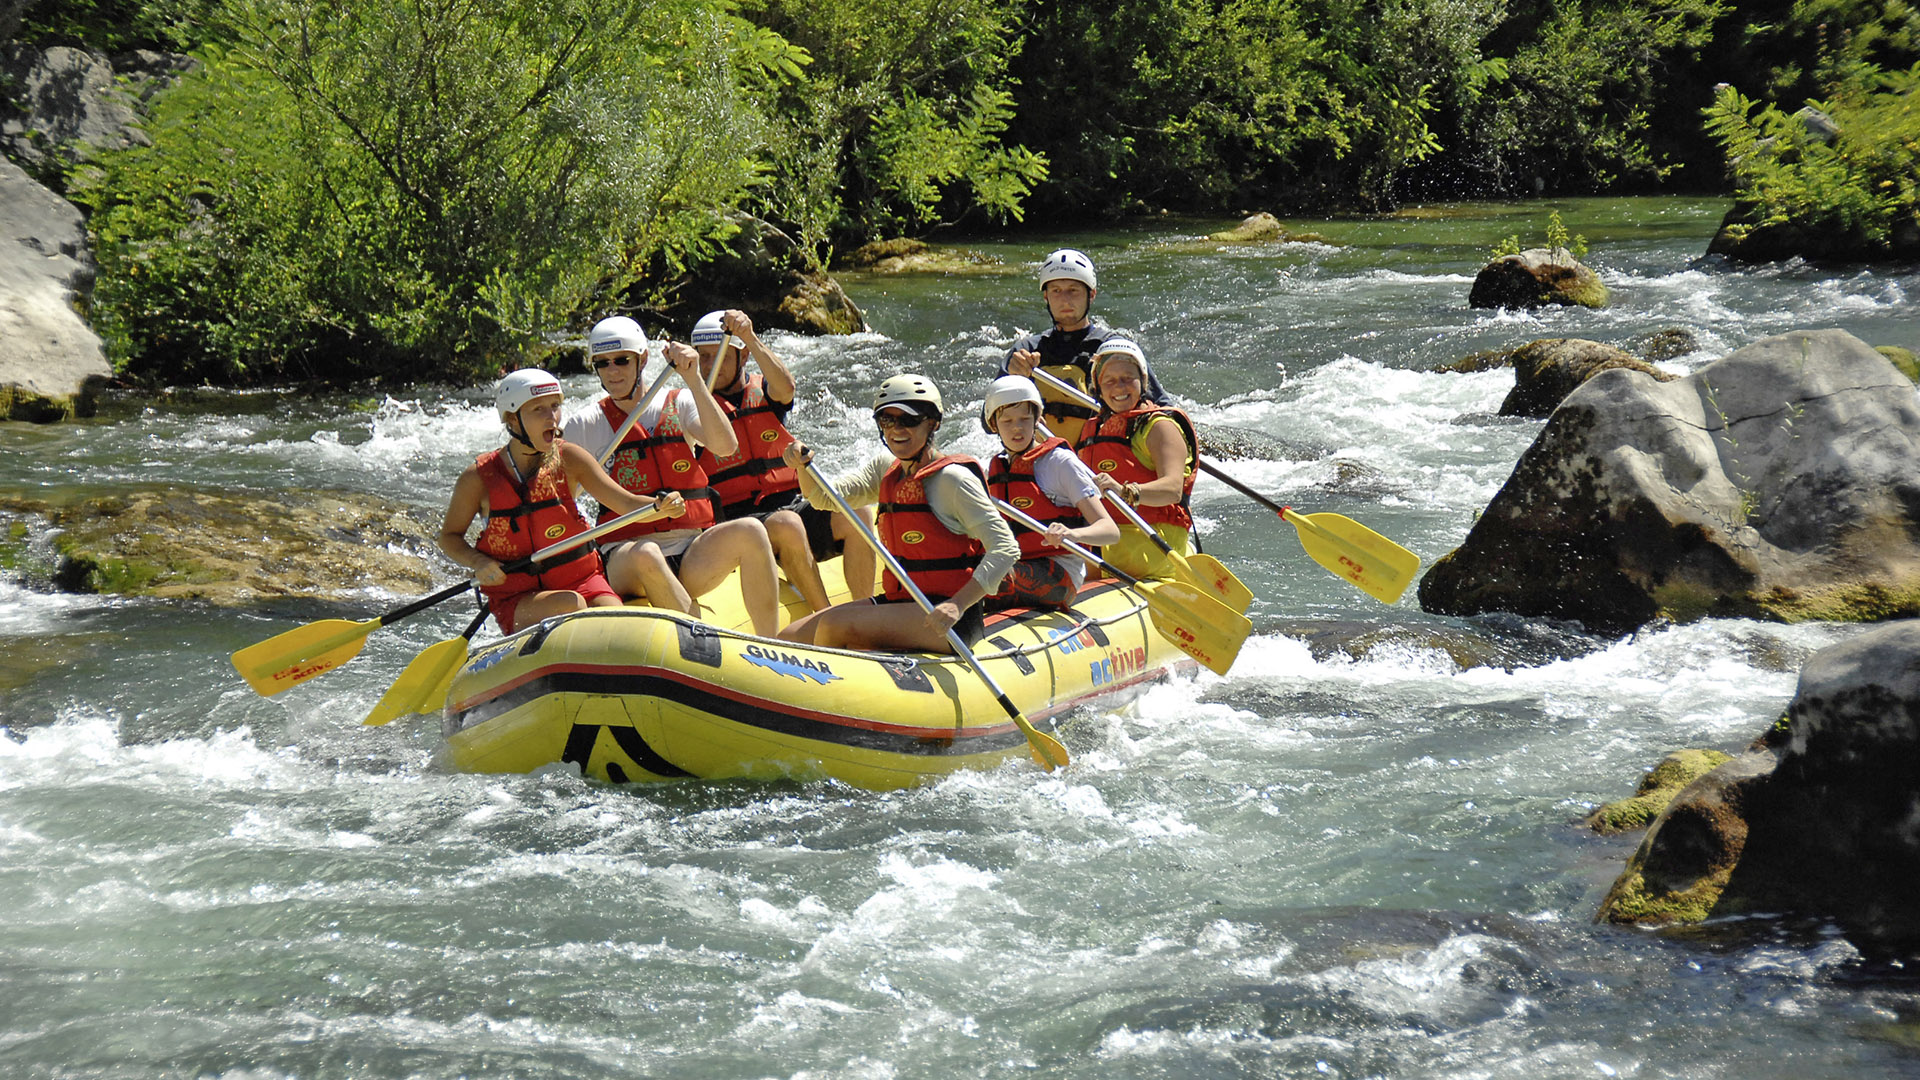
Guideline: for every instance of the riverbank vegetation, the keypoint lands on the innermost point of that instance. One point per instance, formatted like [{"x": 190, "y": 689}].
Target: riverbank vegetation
[{"x": 438, "y": 188}]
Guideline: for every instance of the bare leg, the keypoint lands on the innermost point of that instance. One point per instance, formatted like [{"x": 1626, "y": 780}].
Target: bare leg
[
  {"x": 857, "y": 560},
  {"x": 741, "y": 542},
  {"x": 893, "y": 627},
  {"x": 788, "y": 535},
  {"x": 545, "y": 605},
  {"x": 637, "y": 569}
]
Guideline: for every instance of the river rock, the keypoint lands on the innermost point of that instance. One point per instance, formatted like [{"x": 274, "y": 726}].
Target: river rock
[
  {"x": 233, "y": 548},
  {"x": 1656, "y": 792},
  {"x": 762, "y": 272},
  {"x": 1535, "y": 278},
  {"x": 1546, "y": 371},
  {"x": 1776, "y": 483},
  {"x": 905, "y": 256},
  {"x": 69, "y": 103},
  {"x": 1260, "y": 226},
  {"x": 1820, "y": 823},
  {"x": 1668, "y": 344},
  {"x": 1744, "y": 239},
  {"x": 51, "y": 363},
  {"x": 1903, "y": 359}
]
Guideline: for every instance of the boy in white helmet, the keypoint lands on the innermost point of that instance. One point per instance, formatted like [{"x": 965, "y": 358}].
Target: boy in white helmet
[
  {"x": 672, "y": 562},
  {"x": 935, "y": 518},
  {"x": 1065, "y": 350},
  {"x": 753, "y": 481},
  {"x": 1043, "y": 479},
  {"x": 525, "y": 492}
]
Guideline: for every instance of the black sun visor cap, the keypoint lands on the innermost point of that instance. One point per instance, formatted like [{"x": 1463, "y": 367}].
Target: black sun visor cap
[{"x": 918, "y": 408}]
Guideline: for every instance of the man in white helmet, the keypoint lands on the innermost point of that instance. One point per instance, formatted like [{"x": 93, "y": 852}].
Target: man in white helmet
[
  {"x": 1068, "y": 284},
  {"x": 753, "y": 481},
  {"x": 524, "y": 490},
  {"x": 670, "y": 562}
]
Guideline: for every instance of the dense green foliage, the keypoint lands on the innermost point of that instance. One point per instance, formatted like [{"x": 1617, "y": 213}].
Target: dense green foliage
[
  {"x": 1855, "y": 179},
  {"x": 417, "y": 186},
  {"x": 441, "y": 187}
]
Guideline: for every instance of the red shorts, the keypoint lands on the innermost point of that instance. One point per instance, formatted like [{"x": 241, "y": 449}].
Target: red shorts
[{"x": 505, "y": 607}]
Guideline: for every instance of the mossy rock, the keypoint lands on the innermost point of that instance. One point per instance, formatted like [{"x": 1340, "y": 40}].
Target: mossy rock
[
  {"x": 231, "y": 548},
  {"x": 1904, "y": 359},
  {"x": 905, "y": 256},
  {"x": 1657, "y": 789}
]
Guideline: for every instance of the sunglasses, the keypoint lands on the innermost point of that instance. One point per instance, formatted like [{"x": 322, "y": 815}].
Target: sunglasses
[
  {"x": 889, "y": 421},
  {"x": 600, "y": 362}
]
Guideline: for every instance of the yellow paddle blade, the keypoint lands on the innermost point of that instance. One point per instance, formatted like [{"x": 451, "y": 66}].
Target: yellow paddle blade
[
  {"x": 1376, "y": 565},
  {"x": 1196, "y": 623},
  {"x": 423, "y": 686},
  {"x": 289, "y": 659},
  {"x": 1046, "y": 749},
  {"x": 1217, "y": 579}
]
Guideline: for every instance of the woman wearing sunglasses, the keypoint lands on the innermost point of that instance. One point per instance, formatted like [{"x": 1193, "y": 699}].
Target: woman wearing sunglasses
[
  {"x": 934, "y": 516},
  {"x": 672, "y": 560}
]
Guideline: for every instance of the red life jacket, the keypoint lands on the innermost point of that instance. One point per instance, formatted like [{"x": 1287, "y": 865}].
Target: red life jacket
[
  {"x": 1107, "y": 446},
  {"x": 938, "y": 559},
  {"x": 754, "y": 470},
  {"x": 523, "y": 518},
  {"x": 1011, "y": 479},
  {"x": 653, "y": 462}
]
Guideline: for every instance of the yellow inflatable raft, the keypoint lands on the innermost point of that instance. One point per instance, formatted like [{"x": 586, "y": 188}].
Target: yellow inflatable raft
[{"x": 640, "y": 694}]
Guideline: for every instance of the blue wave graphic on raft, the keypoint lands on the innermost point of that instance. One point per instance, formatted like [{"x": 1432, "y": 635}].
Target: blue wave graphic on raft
[{"x": 787, "y": 665}]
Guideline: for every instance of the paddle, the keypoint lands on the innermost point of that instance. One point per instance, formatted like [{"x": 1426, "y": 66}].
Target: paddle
[
  {"x": 1374, "y": 564},
  {"x": 1217, "y": 577},
  {"x": 423, "y": 686},
  {"x": 289, "y": 659},
  {"x": 1197, "y": 624},
  {"x": 1046, "y": 749}
]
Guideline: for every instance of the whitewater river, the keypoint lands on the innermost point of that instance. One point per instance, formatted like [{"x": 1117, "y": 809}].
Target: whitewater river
[{"x": 1356, "y": 856}]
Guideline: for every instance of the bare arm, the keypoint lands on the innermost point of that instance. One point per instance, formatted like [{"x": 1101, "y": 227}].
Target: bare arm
[
  {"x": 708, "y": 426},
  {"x": 468, "y": 502},
  {"x": 1099, "y": 530},
  {"x": 780, "y": 384},
  {"x": 582, "y": 469}
]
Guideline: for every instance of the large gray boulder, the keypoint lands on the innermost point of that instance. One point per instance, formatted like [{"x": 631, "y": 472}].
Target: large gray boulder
[
  {"x": 51, "y": 363},
  {"x": 1778, "y": 482},
  {"x": 1818, "y": 820},
  {"x": 67, "y": 104}
]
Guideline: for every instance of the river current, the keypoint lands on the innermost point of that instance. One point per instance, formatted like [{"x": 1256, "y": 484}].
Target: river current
[{"x": 1358, "y": 855}]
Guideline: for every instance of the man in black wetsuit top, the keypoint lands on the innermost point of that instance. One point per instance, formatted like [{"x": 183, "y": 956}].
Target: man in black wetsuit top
[{"x": 1065, "y": 351}]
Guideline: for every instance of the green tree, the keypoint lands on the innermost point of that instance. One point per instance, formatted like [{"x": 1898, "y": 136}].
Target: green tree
[{"x": 431, "y": 187}]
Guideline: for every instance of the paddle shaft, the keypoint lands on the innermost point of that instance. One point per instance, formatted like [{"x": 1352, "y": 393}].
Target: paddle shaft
[
  {"x": 548, "y": 552},
  {"x": 1081, "y": 550},
  {"x": 1034, "y": 736}
]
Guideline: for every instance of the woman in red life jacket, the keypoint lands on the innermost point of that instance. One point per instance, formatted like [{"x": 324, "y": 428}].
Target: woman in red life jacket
[
  {"x": 1044, "y": 479},
  {"x": 1144, "y": 453},
  {"x": 693, "y": 554},
  {"x": 934, "y": 516},
  {"x": 525, "y": 491},
  {"x": 754, "y": 481}
]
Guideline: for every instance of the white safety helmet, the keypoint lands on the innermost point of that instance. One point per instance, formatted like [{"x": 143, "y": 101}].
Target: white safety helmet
[
  {"x": 616, "y": 334},
  {"x": 516, "y": 388},
  {"x": 915, "y": 392},
  {"x": 1070, "y": 264},
  {"x": 1008, "y": 390},
  {"x": 709, "y": 330},
  {"x": 1119, "y": 346}
]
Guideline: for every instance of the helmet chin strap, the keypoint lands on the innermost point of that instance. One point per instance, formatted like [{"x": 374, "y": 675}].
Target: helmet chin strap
[{"x": 520, "y": 436}]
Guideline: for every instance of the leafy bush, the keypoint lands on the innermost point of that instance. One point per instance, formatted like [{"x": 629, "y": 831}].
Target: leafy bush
[
  {"x": 432, "y": 189},
  {"x": 1855, "y": 185}
]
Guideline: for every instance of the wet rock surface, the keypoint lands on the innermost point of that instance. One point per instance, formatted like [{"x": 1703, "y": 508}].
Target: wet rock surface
[
  {"x": 227, "y": 548},
  {"x": 1774, "y": 483},
  {"x": 1817, "y": 819}
]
